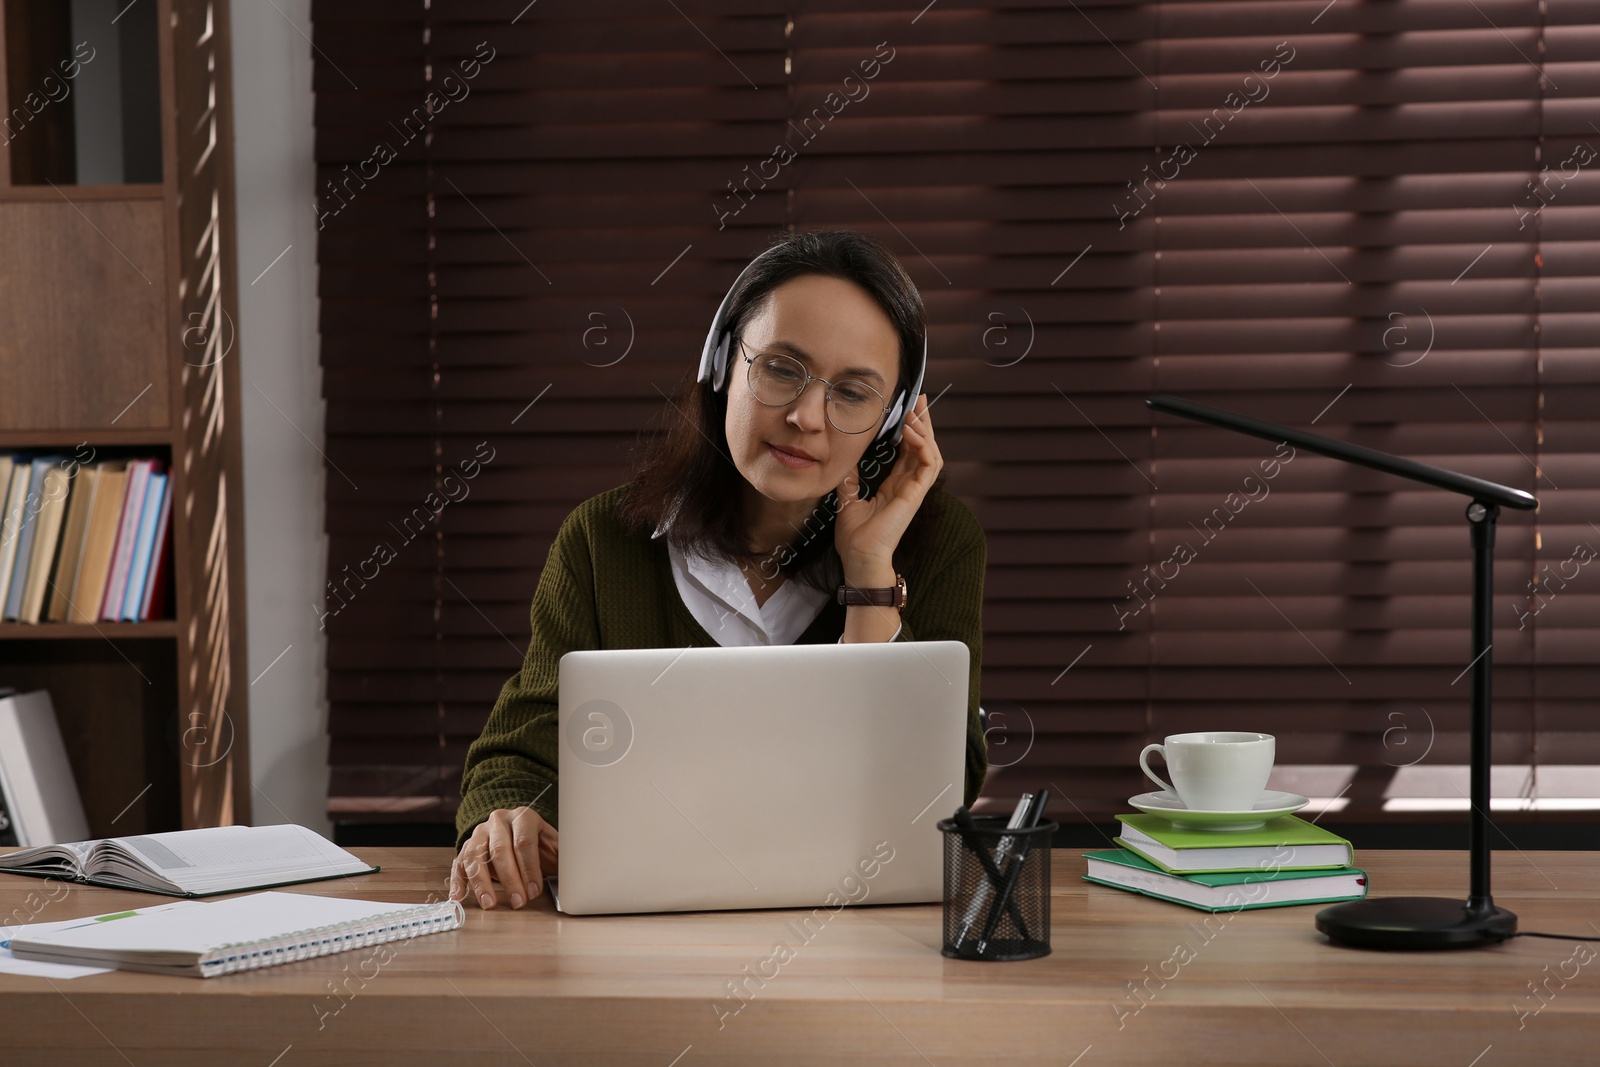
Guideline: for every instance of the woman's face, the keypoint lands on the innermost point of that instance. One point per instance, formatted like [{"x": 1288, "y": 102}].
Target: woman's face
[{"x": 836, "y": 330}]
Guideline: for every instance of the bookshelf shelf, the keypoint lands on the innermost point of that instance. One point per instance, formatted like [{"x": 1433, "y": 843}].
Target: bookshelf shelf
[
  {"x": 15, "y": 440},
  {"x": 66, "y": 631},
  {"x": 82, "y": 193},
  {"x": 117, "y": 200}
]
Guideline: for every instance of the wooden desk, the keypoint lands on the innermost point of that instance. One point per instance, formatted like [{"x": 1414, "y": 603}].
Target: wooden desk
[{"x": 533, "y": 986}]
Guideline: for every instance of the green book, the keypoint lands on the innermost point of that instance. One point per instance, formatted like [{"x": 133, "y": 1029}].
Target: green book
[
  {"x": 1235, "y": 891},
  {"x": 1284, "y": 843}
]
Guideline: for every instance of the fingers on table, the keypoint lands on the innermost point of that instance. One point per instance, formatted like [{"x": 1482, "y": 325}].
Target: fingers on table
[
  {"x": 514, "y": 853},
  {"x": 502, "y": 848},
  {"x": 472, "y": 870}
]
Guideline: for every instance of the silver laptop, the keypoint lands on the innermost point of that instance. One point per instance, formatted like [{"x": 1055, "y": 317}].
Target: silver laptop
[{"x": 694, "y": 779}]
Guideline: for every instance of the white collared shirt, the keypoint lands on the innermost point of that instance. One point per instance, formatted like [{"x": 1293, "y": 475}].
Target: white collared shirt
[{"x": 720, "y": 598}]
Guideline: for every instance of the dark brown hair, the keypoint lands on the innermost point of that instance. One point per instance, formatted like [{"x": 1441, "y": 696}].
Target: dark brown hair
[{"x": 690, "y": 459}]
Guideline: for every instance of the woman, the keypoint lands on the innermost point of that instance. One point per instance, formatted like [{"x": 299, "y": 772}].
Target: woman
[{"x": 762, "y": 508}]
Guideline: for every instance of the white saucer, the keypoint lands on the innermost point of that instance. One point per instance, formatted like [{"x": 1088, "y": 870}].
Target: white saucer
[{"x": 1269, "y": 805}]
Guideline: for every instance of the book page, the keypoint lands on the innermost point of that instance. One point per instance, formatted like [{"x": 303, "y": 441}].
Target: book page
[
  {"x": 183, "y": 855},
  {"x": 51, "y": 856}
]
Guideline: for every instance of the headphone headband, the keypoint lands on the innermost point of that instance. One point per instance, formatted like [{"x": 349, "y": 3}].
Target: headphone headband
[{"x": 715, "y": 358}]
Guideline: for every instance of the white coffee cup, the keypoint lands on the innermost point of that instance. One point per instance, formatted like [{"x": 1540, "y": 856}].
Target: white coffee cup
[{"x": 1219, "y": 770}]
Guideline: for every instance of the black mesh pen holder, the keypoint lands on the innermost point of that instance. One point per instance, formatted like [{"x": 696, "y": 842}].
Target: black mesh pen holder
[{"x": 996, "y": 890}]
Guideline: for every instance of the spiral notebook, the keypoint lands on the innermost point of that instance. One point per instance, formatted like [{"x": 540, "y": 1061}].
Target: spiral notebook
[{"x": 203, "y": 940}]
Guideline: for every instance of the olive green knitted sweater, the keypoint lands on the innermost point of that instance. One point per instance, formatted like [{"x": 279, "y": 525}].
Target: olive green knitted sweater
[{"x": 604, "y": 587}]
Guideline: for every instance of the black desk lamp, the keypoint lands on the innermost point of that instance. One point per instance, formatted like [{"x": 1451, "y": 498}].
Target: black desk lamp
[{"x": 1417, "y": 922}]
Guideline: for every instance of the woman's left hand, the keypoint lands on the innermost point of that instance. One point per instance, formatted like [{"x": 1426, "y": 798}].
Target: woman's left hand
[{"x": 866, "y": 532}]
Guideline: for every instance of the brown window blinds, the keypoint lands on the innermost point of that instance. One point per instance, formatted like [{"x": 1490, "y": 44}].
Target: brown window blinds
[{"x": 1317, "y": 214}]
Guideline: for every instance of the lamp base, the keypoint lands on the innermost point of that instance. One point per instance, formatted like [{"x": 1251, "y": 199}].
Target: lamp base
[{"x": 1415, "y": 923}]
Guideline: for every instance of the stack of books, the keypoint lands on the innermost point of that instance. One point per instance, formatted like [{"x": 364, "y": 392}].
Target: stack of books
[
  {"x": 1285, "y": 861},
  {"x": 83, "y": 543}
]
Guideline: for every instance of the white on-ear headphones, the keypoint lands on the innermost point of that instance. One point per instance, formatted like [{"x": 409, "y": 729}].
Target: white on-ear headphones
[{"x": 714, "y": 362}]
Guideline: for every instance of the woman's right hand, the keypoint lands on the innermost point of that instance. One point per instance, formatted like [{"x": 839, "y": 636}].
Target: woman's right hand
[{"x": 515, "y": 846}]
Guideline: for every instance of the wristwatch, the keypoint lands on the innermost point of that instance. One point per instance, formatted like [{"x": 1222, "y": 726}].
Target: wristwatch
[{"x": 893, "y": 596}]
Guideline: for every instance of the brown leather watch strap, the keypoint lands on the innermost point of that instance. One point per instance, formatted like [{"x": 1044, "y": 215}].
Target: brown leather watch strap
[{"x": 892, "y": 596}]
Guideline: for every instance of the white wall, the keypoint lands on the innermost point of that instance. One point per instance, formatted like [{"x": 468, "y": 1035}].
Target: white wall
[{"x": 285, "y": 549}]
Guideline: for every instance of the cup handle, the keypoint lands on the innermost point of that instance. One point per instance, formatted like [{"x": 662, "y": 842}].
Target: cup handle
[{"x": 1144, "y": 765}]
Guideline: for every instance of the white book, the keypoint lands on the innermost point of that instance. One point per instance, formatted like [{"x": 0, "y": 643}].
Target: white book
[
  {"x": 9, "y": 838},
  {"x": 193, "y": 863},
  {"x": 238, "y": 934},
  {"x": 35, "y": 775}
]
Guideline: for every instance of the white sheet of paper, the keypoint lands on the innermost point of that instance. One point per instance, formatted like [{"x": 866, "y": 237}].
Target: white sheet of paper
[{"x": 9, "y": 964}]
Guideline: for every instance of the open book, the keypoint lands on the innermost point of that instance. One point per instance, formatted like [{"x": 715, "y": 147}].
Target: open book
[{"x": 193, "y": 863}]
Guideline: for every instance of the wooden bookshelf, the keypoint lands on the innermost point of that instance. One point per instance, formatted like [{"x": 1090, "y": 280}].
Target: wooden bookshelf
[
  {"x": 107, "y": 631},
  {"x": 117, "y": 292}
]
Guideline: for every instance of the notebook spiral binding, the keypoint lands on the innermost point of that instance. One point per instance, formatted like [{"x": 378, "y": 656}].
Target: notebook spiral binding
[{"x": 403, "y": 923}]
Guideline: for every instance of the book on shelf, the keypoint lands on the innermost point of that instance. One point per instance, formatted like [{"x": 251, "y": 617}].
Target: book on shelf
[
  {"x": 98, "y": 542},
  {"x": 1286, "y": 843},
  {"x": 74, "y": 533},
  {"x": 193, "y": 863},
  {"x": 139, "y": 565},
  {"x": 12, "y": 496},
  {"x": 36, "y": 779},
  {"x": 31, "y": 473},
  {"x": 1225, "y": 891},
  {"x": 203, "y": 940},
  {"x": 84, "y": 543},
  {"x": 46, "y": 537},
  {"x": 155, "y": 586},
  {"x": 139, "y": 472},
  {"x": 8, "y": 824}
]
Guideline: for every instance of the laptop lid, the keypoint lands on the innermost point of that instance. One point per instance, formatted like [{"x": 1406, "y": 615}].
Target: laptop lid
[{"x": 758, "y": 776}]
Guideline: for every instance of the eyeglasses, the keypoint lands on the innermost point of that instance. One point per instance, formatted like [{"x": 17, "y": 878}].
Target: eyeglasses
[{"x": 776, "y": 380}]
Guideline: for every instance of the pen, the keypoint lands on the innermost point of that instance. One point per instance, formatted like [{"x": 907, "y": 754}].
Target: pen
[
  {"x": 964, "y": 820},
  {"x": 1034, "y": 815},
  {"x": 975, "y": 907}
]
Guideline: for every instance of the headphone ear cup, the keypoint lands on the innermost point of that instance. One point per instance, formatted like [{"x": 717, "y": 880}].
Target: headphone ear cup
[
  {"x": 904, "y": 400},
  {"x": 891, "y": 425}
]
